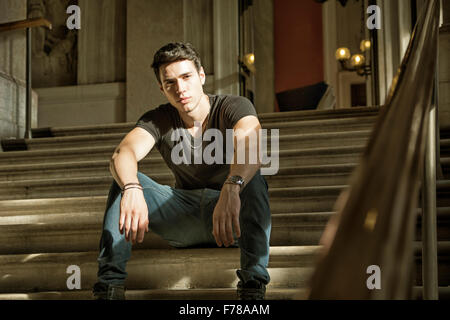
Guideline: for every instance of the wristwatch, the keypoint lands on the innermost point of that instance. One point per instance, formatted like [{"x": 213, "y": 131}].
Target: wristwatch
[{"x": 236, "y": 180}]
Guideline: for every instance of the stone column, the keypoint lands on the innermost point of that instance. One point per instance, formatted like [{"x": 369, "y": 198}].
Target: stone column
[
  {"x": 226, "y": 47},
  {"x": 102, "y": 41}
]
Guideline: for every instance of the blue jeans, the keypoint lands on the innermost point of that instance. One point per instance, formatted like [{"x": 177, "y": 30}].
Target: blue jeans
[{"x": 184, "y": 219}]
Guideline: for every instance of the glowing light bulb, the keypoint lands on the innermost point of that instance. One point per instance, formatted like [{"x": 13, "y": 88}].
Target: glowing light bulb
[
  {"x": 250, "y": 58},
  {"x": 342, "y": 54},
  {"x": 357, "y": 60},
  {"x": 365, "y": 45}
]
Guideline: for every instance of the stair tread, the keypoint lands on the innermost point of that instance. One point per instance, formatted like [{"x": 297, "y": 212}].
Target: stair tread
[
  {"x": 354, "y": 112},
  {"x": 440, "y": 184},
  {"x": 266, "y": 121},
  {"x": 104, "y": 136},
  {"x": 272, "y": 293},
  {"x": 278, "y": 254},
  {"x": 273, "y": 191},
  {"x": 99, "y": 163},
  {"x": 81, "y": 220},
  {"x": 155, "y": 154}
]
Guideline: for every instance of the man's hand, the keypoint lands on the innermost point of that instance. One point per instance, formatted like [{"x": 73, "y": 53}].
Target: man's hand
[
  {"x": 133, "y": 215},
  {"x": 226, "y": 215}
]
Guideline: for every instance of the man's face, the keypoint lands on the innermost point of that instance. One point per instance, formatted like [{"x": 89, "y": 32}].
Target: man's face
[{"x": 182, "y": 85}]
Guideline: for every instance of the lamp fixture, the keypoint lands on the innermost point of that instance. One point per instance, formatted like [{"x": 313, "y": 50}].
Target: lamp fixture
[
  {"x": 365, "y": 45},
  {"x": 356, "y": 61},
  {"x": 248, "y": 63},
  {"x": 342, "y": 54}
]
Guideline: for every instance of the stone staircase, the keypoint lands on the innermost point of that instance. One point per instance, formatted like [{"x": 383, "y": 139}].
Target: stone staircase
[{"x": 53, "y": 192}]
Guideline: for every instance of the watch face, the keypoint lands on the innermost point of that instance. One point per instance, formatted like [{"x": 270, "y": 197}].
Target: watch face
[{"x": 237, "y": 179}]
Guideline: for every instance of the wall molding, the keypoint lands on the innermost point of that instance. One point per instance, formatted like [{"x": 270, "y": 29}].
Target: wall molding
[{"x": 82, "y": 105}]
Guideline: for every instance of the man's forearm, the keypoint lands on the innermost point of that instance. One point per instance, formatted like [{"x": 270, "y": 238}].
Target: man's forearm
[
  {"x": 123, "y": 167},
  {"x": 247, "y": 145},
  {"x": 246, "y": 171}
]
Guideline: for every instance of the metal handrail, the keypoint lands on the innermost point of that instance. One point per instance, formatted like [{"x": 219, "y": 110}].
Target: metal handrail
[
  {"x": 375, "y": 224},
  {"x": 27, "y": 24}
]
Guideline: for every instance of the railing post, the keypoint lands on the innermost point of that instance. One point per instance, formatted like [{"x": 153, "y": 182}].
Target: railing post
[
  {"x": 28, "y": 89},
  {"x": 429, "y": 225}
]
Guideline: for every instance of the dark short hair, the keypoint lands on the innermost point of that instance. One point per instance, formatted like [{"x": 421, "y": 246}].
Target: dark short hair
[{"x": 175, "y": 51}]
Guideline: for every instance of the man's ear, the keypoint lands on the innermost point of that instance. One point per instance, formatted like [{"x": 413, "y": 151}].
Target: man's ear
[{"x": 202, "y": 75}]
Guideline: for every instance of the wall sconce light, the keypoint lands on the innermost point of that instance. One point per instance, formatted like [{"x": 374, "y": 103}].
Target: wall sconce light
[
  {"x": 365, "y": 45},
  {"x": 356, "y": 61},
  {"x": 248, "y": 63},
  {"x": 342, "y": 54}
]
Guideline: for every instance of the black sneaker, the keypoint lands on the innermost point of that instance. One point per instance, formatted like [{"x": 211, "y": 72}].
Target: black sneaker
[
  {"x": 103, "y": 291},
  {"x": 251, "y": 290}
]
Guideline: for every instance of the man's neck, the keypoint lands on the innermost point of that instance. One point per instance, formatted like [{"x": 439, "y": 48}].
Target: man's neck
[{"x": 199, "y": 114}]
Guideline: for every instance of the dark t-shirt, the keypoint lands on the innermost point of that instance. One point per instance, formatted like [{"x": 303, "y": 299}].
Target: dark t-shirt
[{"x": 165, "y": 125}]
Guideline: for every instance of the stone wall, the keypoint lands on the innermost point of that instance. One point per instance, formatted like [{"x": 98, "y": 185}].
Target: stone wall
[
  {"x": 13, "y": 71},
  {"x": 150, "y": 25}
]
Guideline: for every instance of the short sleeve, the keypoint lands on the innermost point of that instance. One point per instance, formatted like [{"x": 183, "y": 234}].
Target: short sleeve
[
  {"x": 150, "y": 122},
  {"x": 235, "y": 108}
]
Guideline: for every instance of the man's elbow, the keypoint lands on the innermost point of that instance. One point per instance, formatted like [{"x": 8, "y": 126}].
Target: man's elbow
[{"x": 112, "y": 160}]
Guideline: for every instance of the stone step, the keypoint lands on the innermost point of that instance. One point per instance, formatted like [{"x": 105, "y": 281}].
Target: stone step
[
  {"x": 294, "y": 199},
  {"x": 287, "y": 126},
  {"x": 45, "y": 185},
  {"x": 282, "y": 200},
  {"x": 42, "y": 160},
  {"x": 275, "y": 117},
  {"x": 72, "y": 205},
  {"x": 293, "y": 138},
  {"x": 190, "y": 294},
  {"x": 443, "y": 250},
  {"x": 290, "y": 167},
  {"x": 77, "y": 232},
  {"x": 445, "y": 144},
  {"x": 160, "y": 294},
  {"x": 296, "y": 155},
  {"x": 42, "y": 210},
  {"x": 92, "y": 171},
  {"x": 81, "y": 232},
  {"x": 444, "y": 293},
  {"x": 445, "y": 164},
  {"x": 315, "y": 187},
  {"x": 289, "y": 267}
]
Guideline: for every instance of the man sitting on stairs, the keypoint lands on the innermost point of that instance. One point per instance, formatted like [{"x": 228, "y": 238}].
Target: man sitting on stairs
[{"x": 223, "y": 203}]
